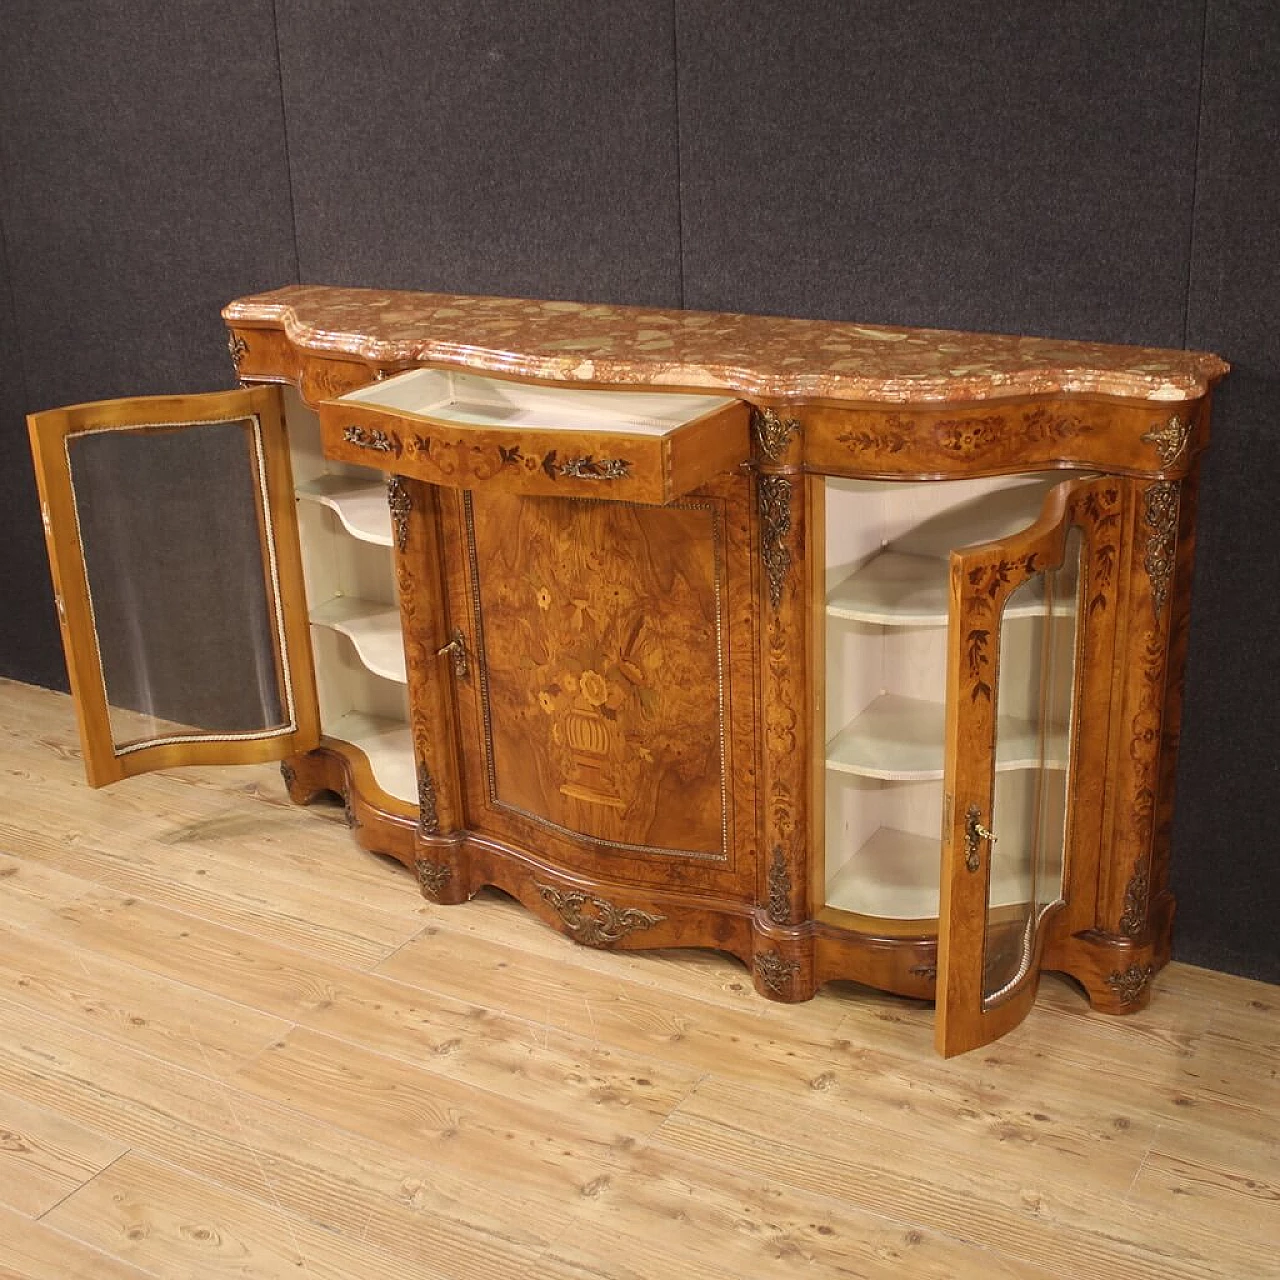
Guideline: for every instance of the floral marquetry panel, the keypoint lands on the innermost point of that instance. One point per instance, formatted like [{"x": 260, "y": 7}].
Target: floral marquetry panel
[
  {"x": 1013, "y": 434},
  {"x": 602, "y": 637}
]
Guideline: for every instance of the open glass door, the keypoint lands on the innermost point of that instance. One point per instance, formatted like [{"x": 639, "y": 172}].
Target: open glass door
[
  {"x": 1017, "y": 676},
  {"x": 174, "y": 550}
]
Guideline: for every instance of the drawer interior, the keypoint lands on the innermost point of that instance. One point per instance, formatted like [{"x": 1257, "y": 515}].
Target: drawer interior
[{"x": 474, "y": 400}]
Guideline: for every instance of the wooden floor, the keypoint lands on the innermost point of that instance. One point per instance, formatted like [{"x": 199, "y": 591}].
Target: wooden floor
[{"x": 233, "y": 1044}]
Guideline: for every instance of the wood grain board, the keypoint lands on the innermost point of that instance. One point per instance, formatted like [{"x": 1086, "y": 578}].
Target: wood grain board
[{"x": 231, "y": 1045}]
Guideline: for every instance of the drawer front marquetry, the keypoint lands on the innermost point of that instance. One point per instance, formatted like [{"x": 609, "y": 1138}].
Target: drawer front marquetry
[
  {"x": 461, "y": 431},
  {"x": 321, "y": 380},
  {"x": 524, "y": 462},
  {"x": 1003, "y": 436}
]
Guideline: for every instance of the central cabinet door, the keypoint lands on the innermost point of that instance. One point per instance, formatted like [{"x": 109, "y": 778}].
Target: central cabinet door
[{"x": 606, "y": 694}]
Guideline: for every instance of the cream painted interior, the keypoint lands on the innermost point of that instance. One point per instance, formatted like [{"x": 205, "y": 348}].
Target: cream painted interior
[
  {"x": 474, "y": 400},
  {"x": 886, "y": 651},
  {"x": 344, "y": 525}
]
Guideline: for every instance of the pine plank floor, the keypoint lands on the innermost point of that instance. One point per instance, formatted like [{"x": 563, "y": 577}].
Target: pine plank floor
[{"x": 234, "y": 1044}]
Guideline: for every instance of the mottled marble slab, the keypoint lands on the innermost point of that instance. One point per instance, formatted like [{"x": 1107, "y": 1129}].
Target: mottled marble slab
[{"x": 760, "y": 357}]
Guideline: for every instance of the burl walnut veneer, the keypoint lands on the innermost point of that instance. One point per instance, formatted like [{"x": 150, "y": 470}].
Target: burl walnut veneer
[{"x": 853, "y": 651}]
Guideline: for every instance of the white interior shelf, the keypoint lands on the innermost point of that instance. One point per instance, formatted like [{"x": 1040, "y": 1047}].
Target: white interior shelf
[
  {"x": 344, "y": 527},
  {"x": 889, "y": 650},
  {"x": 389, "y": 746},
  {"x": 894, "y": 875},
  {"x": 374, "y": 630},
  {"x": 900, "y": 739},
  {"x": 897, "y": 589},
  {"x": 893, "y": 589},
  {"x": 361, "y": 504}
]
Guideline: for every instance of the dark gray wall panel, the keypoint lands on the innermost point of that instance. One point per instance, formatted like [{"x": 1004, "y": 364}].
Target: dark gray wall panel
[
  {"x": 1011, "y": 167},
  {"x": 1235, "y": 280},
  {"x": 146, "y": 185},
  {"x": 476, "y": 146},
  {"x": 145, "y": 150},
  {"x": 1226, "y": 850},
  {"x": 28, "y": 632}
]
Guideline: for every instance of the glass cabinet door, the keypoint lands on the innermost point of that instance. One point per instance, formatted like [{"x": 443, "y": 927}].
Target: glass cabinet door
[
  {"x": 1019, "y": 669},
  {"x": 173, "y": 544}
]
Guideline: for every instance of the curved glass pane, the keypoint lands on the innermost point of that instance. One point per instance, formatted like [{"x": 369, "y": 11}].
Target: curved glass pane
[
  {"x": 177, "y": 549},
  {"x": 1033, "y": 753}
]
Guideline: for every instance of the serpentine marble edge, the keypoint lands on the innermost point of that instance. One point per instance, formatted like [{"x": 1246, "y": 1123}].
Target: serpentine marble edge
[{"x": 760, "y": 357}]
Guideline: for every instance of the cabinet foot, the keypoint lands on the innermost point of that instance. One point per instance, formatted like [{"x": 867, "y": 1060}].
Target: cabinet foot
[
  {"x": 782, "y": 963},
  {"x": 778, "y": 977},
  {"x": 442, "y": 868},
  {"x": 329, "y": 770},
  {"x": 1116, "y": 973},
  {"x": 304, "y": 784}
]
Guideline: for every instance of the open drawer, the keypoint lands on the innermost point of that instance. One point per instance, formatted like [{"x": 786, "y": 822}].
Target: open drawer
[{"x": 468, "y": 431}]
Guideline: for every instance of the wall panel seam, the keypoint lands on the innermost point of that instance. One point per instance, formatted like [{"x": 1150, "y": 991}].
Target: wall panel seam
[
  {"x": 288, "y": 158},
  {"x": 1192, "y": 272},
  {"x": 675, "y": 71},
  {"x": 6, "y": 188}
]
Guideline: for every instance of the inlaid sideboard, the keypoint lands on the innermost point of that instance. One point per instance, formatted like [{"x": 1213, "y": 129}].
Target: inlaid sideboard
[{"x": 853, "y": 651}]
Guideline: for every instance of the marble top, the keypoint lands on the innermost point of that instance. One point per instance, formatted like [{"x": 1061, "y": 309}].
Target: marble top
[{"x": 760, "y": 357}]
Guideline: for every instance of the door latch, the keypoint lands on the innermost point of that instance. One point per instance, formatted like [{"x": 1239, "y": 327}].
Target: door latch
[
  {"x": 974, "y": 831},
  {"x": 457, "y": 649}
]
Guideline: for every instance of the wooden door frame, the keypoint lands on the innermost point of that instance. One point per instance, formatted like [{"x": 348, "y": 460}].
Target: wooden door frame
[
  {"x": 981, "y": 581},
  {"x": 282, "y": 568}
]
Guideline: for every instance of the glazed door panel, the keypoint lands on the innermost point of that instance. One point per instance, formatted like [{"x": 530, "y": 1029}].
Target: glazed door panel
[
  {"x": 174, "y": 552},
  {"x": 1030, "y": 641},
  {"x": 599, "y": 710}
]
